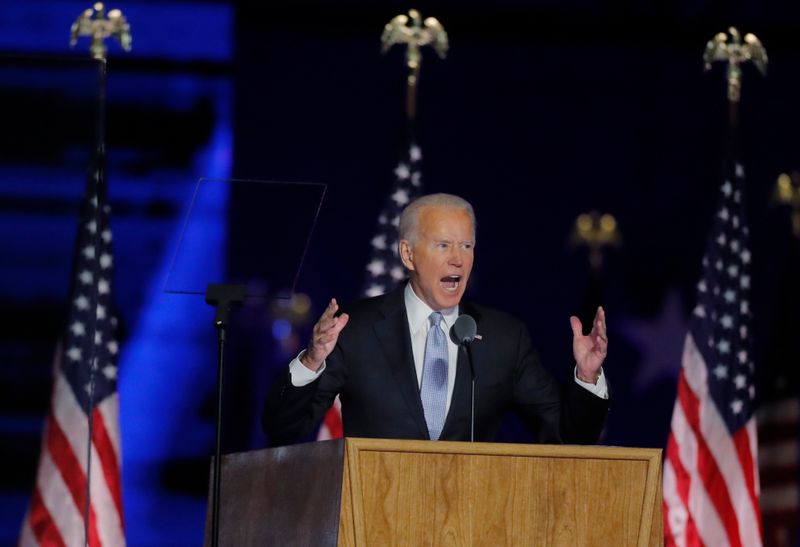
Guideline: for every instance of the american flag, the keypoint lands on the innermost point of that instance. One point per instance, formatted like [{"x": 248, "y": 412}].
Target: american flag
[
  {"x": 711, "y": 483},
  {"x": 778, "y": 415},
  {"x": 80, "y": 445},
  {"x": 778, "y": 457},
  {"x": 384, "y": 268}
]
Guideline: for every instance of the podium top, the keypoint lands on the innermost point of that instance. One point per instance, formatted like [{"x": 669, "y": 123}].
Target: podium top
[{"x": 505, "y": 449}]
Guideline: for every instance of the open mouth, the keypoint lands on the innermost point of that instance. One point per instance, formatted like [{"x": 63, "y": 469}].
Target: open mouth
[{"x": 450, "y": 282}]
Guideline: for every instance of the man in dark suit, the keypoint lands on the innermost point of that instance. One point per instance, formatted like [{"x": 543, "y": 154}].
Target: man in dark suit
[{"x": 400, "y": 375}]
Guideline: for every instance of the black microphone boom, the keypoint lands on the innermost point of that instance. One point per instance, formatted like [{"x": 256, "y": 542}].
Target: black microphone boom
[{"x": 462, "y": 333}]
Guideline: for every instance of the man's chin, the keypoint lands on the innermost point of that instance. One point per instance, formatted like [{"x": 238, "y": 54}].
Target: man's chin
[{"x": 449, "y": 300}]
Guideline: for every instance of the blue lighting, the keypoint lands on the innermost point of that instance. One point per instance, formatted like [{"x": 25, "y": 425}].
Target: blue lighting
[
  {"x": 168, "y": 365},
  {"x": 191, "y": 31},
  {"x": 281, "y": 329}
]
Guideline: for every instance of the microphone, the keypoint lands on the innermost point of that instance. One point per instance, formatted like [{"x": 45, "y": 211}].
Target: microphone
[
  {"x": 462, "y": 334},
  {"x": 464, "y": 330}
]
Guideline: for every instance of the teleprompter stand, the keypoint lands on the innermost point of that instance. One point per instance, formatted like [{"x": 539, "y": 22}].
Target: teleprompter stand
[
  {"x": 242, "y": 240},
  {"x": 222, "y": 297}
]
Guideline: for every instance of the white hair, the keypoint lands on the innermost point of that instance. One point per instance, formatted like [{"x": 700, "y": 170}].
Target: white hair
[{"x": 409, "y": 218}]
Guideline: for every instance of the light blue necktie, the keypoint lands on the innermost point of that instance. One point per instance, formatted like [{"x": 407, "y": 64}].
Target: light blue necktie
[{"x": 433, "y": 390}]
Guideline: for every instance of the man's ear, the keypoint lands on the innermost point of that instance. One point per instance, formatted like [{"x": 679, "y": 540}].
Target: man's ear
[{"x": 406, "y": 255}]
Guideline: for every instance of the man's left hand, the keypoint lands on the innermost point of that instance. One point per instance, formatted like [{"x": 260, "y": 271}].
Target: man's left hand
[{"x": 589, "y": 351}]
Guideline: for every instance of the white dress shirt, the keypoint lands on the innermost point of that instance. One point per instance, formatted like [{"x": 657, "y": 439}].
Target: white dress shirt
[{"x": 418, "y": 325}]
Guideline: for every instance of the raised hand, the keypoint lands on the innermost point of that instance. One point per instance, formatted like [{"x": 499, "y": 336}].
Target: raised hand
[
  {"x": 589, "y": 351},
  {"x": 324, "y": 337}
]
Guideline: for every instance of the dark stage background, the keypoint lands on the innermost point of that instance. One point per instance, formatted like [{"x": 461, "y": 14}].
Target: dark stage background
[{"x": 542, "y": 111}]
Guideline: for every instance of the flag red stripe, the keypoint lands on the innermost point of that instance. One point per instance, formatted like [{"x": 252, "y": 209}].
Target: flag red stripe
[
  {"x": 706, "y": 465},
  {"x": 42, "y": 523},
  {"x": 669, "y": 540},
  {"x": 71, "y": 472},
  {"x": 741, "y": 440},
  {"x": 108, "y": 459},
  {"x": 94, "y": 535},
  {"x": 683, "y": 481},
  {"x": 683, "y": 484},
  {"x": 333, "y": 421}
]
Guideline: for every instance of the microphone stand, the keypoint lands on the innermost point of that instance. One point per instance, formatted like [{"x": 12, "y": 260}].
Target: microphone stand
[
  {"x": 462, "y": 333},
  {"x": 467, "y": 346}
]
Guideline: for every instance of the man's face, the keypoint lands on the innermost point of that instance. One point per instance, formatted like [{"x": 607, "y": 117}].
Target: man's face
[{"x": 440, "y": 260}]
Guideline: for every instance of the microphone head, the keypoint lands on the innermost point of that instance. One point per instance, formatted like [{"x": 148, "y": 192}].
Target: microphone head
[{"x": 464, "y": 330}]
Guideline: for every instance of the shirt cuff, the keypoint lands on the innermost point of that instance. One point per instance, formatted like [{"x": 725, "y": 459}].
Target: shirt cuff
[
  {"x": 301, "y": 375},
  {"x": 600, "y": 388}
]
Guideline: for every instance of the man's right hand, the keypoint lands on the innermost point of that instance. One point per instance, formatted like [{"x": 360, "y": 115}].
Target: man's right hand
[{"x": 324, "y": 337}]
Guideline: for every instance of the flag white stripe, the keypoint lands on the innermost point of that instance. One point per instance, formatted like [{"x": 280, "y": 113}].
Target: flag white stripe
[
  {"x": 109, "y": 409},
  {"x": 676, "y": 513},
  {"x": 58, "y": 500},
  {"x": 71, "y": 419},
  {"x": 26, "y": 536},
  {"x": 752, "y": 435},
  {"x": 324, "y": 433},
  {"x": 709, "y": 525},
  {"x": 109, "y": 526},
  {"x": 721, "y": 446}
]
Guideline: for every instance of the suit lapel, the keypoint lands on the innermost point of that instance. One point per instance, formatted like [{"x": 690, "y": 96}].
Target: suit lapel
[{"x": 392, "y": 333}]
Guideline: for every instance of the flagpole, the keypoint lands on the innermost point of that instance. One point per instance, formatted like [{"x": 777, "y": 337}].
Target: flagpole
[
  {"x": 384, "y": 269},
  {"x": 414, "y": 32},
  {"x": 98, "y": 180},
  {"x": 94, "y": 23},
  {"x": 734, "y": 50}
]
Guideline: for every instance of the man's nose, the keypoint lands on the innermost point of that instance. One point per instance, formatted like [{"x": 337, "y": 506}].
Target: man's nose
[{"x": 456, "y": 258}]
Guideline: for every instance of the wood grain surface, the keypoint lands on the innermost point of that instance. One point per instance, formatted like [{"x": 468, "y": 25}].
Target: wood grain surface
[{"x": 422, "y": 493}]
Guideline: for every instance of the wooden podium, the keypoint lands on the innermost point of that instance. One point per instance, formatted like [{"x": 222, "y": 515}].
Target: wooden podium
[{"x": 377, "y": 492}]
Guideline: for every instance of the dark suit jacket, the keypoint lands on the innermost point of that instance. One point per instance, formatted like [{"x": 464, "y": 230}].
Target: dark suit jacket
[{"x": 372, "y": 368}]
